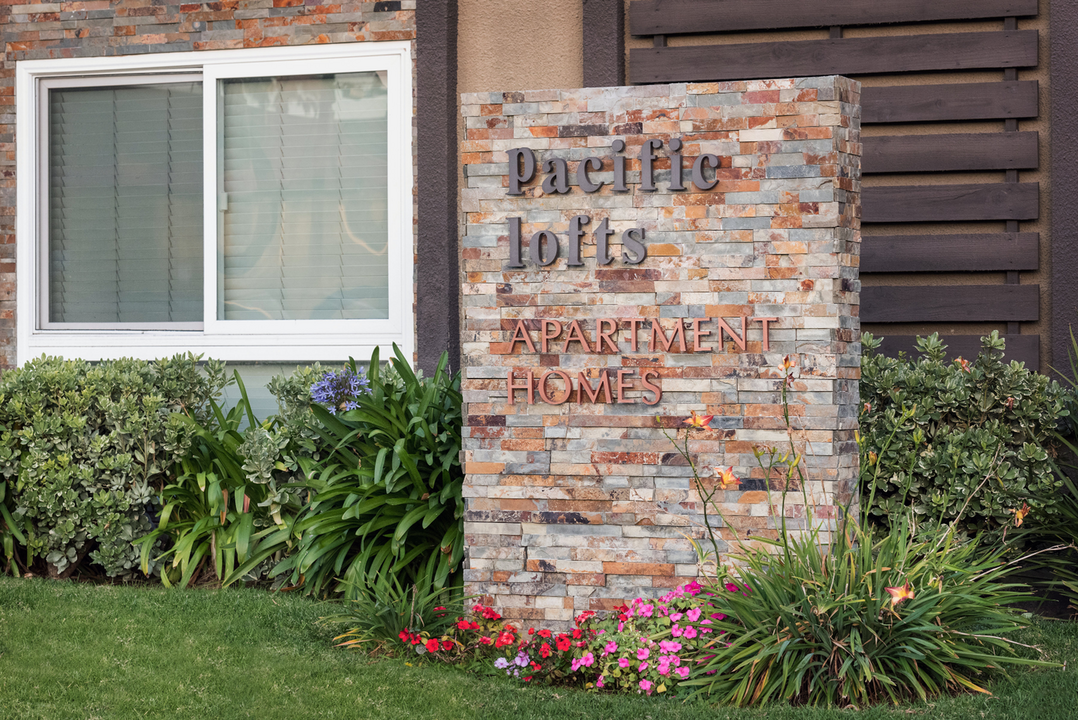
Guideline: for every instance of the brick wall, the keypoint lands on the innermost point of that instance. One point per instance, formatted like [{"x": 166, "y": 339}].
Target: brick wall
[
  {"x": 99, "y": 28},
  {"x": 575, "y": 504}
]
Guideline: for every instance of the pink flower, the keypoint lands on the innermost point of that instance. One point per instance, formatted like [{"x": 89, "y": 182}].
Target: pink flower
[
  {"x": 588, "y": 660},
  {"x": 690, "y": 633},
  {"x": 676, "y": 631},
  {"x": 664, "y": 670},
  {"x": 623, "y": 662},
  {"x": 642, "y": 667},
  {"x": 692, "y": 588},
  {"x": 599, "y": 683},
  {"x": 611, "y": 646},
  {"x": 621, "y": 626},
  {"x": 674, "y": 617},
  {"x": 731, "y": 587},
  {"x": 718, "y": 616},
  {"x": 646, "y": 610},
  {"x": 670, "y": 646},
  {"x": 675, "y": 660},
  {"x": 683, "y": 671},
  {"x": 642, "y": 654},
  {"x": 693, "y": 614},
  {"x": 645, "y": 685}
]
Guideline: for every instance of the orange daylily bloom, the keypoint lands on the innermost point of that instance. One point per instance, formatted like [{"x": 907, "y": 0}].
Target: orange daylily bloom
[
  {"x": 1020, "y": 514},
  {"x": 963, "y": 362},
  {"x": 698, "y": 421},
  {"x": 898, "y": 594},
  {"x": 787, "y": 363},
  {"x": 726, "y": 477}
]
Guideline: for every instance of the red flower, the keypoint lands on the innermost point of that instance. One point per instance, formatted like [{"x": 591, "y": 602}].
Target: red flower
[
  {"x": 485, "y": 640},
  {"x": 563, "y": 642},
  {"x": 504, "y": 639},
  {"x": 577, "y": 634},
  {"x": 446, "y": 645},
  {"x": 536, "y": 666},
  {"x": 403, "y": 636},
  {"x": 416, "y": 639},
  {"x": 432, "y": 645},
  {"x": 544, "y": 633},
  {"x": 510, "y": 629},
  {"x": 531, "y": 631},
  {"x": 464, "y": 625},
  {"x": 528, "y": 678},
  {"x": 545, "y": 651}
]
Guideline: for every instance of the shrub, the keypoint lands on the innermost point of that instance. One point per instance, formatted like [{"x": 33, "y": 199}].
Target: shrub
[
  {"x": 85, "y": 449},
  {"x": 233, "y": 499},
  {"x": 970, "y": 437},
  {"x": 387, "y": 494}
]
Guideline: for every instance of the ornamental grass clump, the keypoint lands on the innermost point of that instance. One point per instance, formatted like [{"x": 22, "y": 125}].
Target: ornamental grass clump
[{"x": 841, "y": 613}]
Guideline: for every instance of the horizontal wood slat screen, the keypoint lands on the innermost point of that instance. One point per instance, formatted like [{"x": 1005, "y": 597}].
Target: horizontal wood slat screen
[
  {"x": 1023, "y": 348},
  {"x": 976, "y": 252},
  {"x": 843, "y": 56},
  {"x": 949, "y": 152},
  {"x": 949, "y": 203},
  {"x": 677, "y": 17},
  {"x": 942, "y": 103},
  {"x": 953, "y": 303},
  {"x": 904, "y": 49}
]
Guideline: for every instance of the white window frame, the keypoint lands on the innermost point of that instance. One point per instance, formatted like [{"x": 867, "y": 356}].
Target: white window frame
[{"x": 233, "y": 340}]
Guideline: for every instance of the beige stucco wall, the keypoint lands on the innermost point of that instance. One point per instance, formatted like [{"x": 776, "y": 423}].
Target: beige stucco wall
[{"x": 519, "y": 45}]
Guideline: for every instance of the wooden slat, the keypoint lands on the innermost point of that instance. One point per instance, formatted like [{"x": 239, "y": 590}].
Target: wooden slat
[
  {"x": 674, "y": 17},
  {"x": 983, "y": 252},
  {"x": 953, "y": 303},
  {"x": 943, "y": 203},
  {"x": 1023, "y": 348},
  {"x": 844, "y": 56},
  {"x": 941, "y": 103},
  {"x": 950, "y": 152}
]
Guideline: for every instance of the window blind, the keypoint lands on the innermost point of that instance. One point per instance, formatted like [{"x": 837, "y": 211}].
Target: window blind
[
  {"x": 125, "y": 204},
  {"x": 305, "y": 231}
]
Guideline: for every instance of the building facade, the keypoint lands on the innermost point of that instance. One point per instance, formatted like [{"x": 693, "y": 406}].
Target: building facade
[{"x": 968, "y": 159}]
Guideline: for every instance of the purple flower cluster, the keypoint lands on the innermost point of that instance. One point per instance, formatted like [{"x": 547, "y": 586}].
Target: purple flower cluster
[{"x": 338, "y": 390}]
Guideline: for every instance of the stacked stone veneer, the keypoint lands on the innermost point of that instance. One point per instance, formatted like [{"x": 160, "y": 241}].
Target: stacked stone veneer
[{"x": 580, "y": 505}]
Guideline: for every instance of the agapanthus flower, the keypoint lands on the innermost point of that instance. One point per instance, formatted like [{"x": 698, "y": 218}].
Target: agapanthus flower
[{"x": 338, "y": 390}]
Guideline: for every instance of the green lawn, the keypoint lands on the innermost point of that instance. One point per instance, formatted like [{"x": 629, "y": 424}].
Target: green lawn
[{"x": 82, "y": 651}]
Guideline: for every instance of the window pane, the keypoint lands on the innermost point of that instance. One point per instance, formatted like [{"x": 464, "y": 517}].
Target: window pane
[
  {"x": 125, "y": 204},
  {"x": 305, "y": 233}
]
